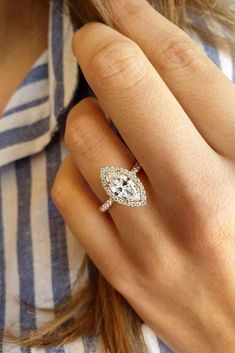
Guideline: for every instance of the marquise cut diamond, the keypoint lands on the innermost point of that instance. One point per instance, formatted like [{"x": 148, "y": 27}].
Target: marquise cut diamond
[{"x": 123, "y": 186}]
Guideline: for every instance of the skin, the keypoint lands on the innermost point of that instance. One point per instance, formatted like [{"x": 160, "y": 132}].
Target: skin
[
  {"x": 23, "y": 38},
  {"x": 173, "y": 260}
]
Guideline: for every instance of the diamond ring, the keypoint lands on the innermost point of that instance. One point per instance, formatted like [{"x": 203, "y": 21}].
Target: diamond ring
[{"x": 122, "y": 186}]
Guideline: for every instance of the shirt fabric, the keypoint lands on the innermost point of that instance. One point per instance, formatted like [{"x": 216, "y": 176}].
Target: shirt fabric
[{"x": 39, "y": 257}]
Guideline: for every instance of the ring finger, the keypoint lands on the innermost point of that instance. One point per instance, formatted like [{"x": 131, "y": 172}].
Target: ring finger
[{"x": 93, "y": 145}]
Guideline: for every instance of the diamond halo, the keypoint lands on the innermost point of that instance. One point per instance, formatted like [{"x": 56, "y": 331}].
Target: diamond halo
[{"x": 122, "y": 186}]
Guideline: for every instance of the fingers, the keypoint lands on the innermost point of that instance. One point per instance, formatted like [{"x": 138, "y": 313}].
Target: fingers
[
  {"x": 205, "y": 93},
  {"x": 93, "y": 145},
  {"x": 148, "y": 116},
  {"x": 95, "y": 231}
]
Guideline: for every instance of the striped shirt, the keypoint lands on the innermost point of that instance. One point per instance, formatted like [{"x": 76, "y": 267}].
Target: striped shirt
[{"x": 39, "y": 257}]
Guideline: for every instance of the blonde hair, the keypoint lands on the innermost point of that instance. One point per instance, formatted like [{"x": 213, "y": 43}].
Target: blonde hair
[{"x": 96, "y": 308}]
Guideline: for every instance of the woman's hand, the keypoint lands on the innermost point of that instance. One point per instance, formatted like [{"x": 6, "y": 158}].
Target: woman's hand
[{"x": 174, "y": 259}]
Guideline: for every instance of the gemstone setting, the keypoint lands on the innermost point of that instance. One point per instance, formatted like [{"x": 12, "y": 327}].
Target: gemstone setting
[{"x": 123, "y": 186}]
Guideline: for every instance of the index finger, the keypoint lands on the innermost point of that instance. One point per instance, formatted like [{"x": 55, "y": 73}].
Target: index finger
[{"x": 146, "y": 113}]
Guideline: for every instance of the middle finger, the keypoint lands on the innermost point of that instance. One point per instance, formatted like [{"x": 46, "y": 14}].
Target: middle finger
[{"x": 148, "y": 116}]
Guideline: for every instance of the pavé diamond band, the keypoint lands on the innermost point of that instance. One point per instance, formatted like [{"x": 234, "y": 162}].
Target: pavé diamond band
[{"x": 122, "y": 186}]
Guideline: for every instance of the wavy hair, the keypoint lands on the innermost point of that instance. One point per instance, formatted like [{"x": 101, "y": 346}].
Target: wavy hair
[{"x": 96, "y": 308}]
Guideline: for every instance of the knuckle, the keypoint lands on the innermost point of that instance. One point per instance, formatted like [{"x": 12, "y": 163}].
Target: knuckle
[
  {"x": 214, "y": 231},
  {"x": 180, "y": 52},
  {"x": 57, "y": 192},
  {"x": 208, "y": 215},
  {"x": 69, "y": 133},
  {"x": 119, "y": 63},
  {"x": 81, "y": 135},
  {"x": 61, "y": 191}
]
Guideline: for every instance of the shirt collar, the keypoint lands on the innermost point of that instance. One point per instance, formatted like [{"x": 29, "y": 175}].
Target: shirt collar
[{"x": 30, "y": 131}]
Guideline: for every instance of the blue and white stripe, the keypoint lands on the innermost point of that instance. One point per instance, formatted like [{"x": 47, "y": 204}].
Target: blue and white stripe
[
  {"x": 39, "y": 257},
  {"x": 24, "y": 126}
]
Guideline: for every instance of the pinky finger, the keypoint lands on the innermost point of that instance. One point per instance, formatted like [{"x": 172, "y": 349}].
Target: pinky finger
[{"x": 96, "y": 232}]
